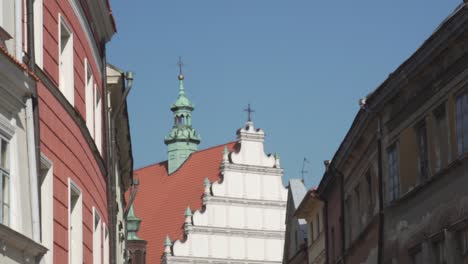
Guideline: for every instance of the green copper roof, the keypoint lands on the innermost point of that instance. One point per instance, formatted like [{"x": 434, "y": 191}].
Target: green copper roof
[
  {"x": 188, "y": 212},
  {"x": 133, "y": 224},
  {"x": 206, "y": 182},
  {"x": 167, "y": 242},
  {"x": 183, "y": 139},
  {"x": 182, "y": 101}
]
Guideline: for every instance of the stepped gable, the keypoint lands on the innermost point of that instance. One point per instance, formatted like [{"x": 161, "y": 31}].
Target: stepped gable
[{"x": 162, "y": 198}]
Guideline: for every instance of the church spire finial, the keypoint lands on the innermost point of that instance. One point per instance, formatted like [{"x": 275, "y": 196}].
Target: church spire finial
[
  {"x": 182, "y": 140},
  {"x": 180, "y": 64}
]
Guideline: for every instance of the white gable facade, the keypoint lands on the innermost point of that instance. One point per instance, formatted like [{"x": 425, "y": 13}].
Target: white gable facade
[{"x": 243, "y": 220}]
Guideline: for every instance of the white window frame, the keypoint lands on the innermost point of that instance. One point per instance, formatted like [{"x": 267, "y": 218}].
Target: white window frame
[
  {"x": 89, "y": 97},
  {"x": 66, "y": 67},
  {"x": 75, "y": 219},
  {"x": 393, "y": 179},
  {"x": 98, "y": 118},
  {"x": 47, "y": 208},
  {"x": 97, "y": 237},
  {"x": 5, "y": 186},
  {"x": 38, "y": 8},
  {"x": 462, "y": 127},
  {"x": 7, "y": 132},
  {"x": 106, "y": 244}
]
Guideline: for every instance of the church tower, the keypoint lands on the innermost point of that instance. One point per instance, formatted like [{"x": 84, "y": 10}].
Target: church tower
[{"x": 183, "y": 139}]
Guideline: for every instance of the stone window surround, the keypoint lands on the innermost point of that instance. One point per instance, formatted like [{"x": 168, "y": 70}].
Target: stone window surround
[{"x": 6, "y": 134}]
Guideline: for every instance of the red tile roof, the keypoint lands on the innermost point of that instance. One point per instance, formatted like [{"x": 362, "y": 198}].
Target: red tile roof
[{"x": 162, "y": 199}]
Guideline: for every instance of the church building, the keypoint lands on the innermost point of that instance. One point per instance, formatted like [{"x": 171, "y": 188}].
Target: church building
[{"x": 224, "y": 204}]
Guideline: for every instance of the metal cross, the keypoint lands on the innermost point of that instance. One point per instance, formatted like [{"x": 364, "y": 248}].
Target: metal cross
[
  {"x": 249, "y": 110},
  {"x": 303, "y": 171},
  {"x": 180, "y": 64}
]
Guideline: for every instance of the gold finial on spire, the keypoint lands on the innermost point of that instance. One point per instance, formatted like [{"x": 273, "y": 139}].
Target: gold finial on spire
[{"x": 180, "y": 64}]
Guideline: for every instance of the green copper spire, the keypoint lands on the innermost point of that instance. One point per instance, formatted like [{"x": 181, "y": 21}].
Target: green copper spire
[
  {"x": 167, "y": 242},
  {"x": 182, "y": 140},
  {"x": 188, "y": 212},
  {"x": 133, "y": 224},
  {"x": 206, "y": 182}
]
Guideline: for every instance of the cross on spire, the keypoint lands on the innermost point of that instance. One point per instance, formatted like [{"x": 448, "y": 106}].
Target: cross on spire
[
  {"x": 249, "y": 111},
  {"x": 180, "y": 64}
]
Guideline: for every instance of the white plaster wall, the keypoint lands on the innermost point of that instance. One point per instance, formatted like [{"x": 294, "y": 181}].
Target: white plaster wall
[
  {"x": 244, "y": 217},
  {"x": 241, "y": 217},
  {"x": 251, "y": 185}
]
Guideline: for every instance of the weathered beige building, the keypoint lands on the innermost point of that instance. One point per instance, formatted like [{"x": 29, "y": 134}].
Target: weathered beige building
[
  {"x": 425, "y": 149},
  {"x": 311, "y": 210}
]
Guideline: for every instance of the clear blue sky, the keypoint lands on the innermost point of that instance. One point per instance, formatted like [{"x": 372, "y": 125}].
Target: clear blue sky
[{"x": 302, "y": 65}]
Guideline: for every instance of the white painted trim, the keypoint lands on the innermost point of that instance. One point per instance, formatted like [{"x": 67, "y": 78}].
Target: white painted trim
[
  {"x": 38, "y": 32},
  {"x": 230, "y": 201},
  {"x": 33, "y": 177},
  {"x": 89, "y": 98},
  {"x": 18, "y": 35},
  {"x": 87, "y": 29},
  {"x": 47, "y": 209},
  {"x": 97, "y": 237},
  {"x": 6, "y": 128},
  {"x": 198, "y": 260},
  {"x": 15, "y": 199},
  {"x": 74, "y": 187},
  {"x": 69, "y": 91},
  {"x": 222, "y": 231},
  {"x": 251, "y": 169}
]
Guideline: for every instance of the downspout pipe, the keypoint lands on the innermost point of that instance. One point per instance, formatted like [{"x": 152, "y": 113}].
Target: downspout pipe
[
  {"x": 343, "y": 224},
  {"x": 340, "y": 175},
  {"x": 381, "y": 215},
  {"x": 127, "y": 80},
  {"x": 110, "y": 169},
  {"x": 381, "y": 194},
  {"x": 33, "y": 132}
]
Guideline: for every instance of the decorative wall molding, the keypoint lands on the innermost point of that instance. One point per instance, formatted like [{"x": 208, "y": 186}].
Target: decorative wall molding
[
  {"x": 225, "y": 167},
  {"x": 78, "y": 10},
  {"x": 245, "y": 202},
  {"x": 247, "y": 233},
  {"x": 176, "y": 260},
  {"x": 12, "y": 240}
]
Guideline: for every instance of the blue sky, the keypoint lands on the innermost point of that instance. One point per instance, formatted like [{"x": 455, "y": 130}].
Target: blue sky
[{"x": 302, "y": 65}]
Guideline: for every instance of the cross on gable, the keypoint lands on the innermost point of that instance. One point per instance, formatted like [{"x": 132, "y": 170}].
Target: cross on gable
[{"x": 249, "y": 111}]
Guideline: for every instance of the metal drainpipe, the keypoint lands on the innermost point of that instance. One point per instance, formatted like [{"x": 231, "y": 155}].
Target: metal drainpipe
[
  {"x": 343, "y": 233},
  {"x": 381, "y": 196},
  {"x": 325, "y": 209},
  {"x": 35, "y": 112},
  {"x": 127, "y": 80},
  {"x": 109, "y": 152}
]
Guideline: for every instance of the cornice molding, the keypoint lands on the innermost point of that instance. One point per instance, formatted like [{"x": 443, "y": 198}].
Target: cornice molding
[
  {"x": 245, "y": 202},
  {"x": 209, "y": 230},
  {"x": 74, "y": 115},
  {"x": 78, "y": 10},
  {"x": 269, "y": 171},
  {"x": 11, "y": 239},
  {"x": 185, "y": 259},
  {"x": 6, "y": 129}
]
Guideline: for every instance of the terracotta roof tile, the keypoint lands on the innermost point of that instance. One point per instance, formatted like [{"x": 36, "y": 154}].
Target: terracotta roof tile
[
  {"x": 162, "y": 199},
  {"x": 18, "y": 63}
]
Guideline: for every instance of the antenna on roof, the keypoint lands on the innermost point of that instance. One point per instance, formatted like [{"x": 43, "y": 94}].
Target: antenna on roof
[{"x": 303, "y": 171}]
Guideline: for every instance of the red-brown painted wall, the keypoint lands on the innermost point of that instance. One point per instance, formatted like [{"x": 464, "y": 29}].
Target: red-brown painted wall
[{"x": 61, "y": 139}]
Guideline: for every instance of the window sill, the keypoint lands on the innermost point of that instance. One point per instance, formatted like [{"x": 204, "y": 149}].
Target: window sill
[
  {"x": 421, "y": 186},
  {"x": 10, "y": 238}
]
